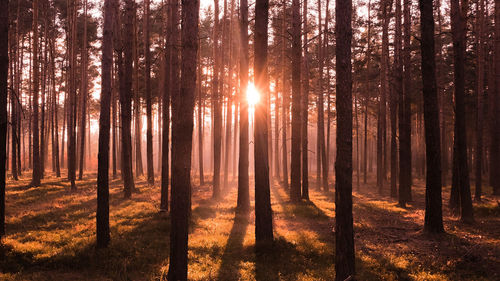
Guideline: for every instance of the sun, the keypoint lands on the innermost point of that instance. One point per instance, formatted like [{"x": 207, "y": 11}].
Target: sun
[{"x": 253, "y": 96}]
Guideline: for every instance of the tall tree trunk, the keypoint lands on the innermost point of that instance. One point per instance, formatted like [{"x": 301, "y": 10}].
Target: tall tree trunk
[
  {"x": 405, "y": 114},
  {"x": 433, "y": 222},
  {"x": 480, "y": 98},
  {"x": 126, "y": 100},
  {"x": 285, "y": 95},
  {"x": 305, "y": 108},
  {"x": 102, "y": 215},
  {"x": 397, "y": 89},
  {"x": 37, "y": 173},
  {"x": 182, "y": 135},
  {"x": 72, "y": 97},
  {"x": 295, "y": 190},
  {"x": 263, "y": 211},
  {"x": 83, "y": 93},
  {"x": 243, "y": 201},
  {"x": 382, "y": 117},
  {"x": 367, "y": 97},
  {"x": 137, "y": 105},
  {"x": 344, "y": 233},
  {"x": 4, "y": 70},
  {"x": 495, "y": 130},
  {"x": 147, "y": 70},
  {"x": 200, "y": 121},
  {"x": 217, "y": 103},
  {"x": 460, "y": 180}
]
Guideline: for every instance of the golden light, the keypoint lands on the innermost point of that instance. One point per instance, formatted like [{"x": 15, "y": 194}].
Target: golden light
[{"x": 253, "y": 96}]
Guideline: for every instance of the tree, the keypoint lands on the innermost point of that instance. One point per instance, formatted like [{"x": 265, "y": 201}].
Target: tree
[
  {"x": 295, "y": 189},
  {"x": 182, "y": 134},
  {"x": 4, "y": 70},
  {"x": 216, "y": 103},
  {"x": 480, "y": 97},
  {"x": 305, "y": 109},
  {"x": 37, "y": 168},
  {"x": 394, "y": 98},
  {"x": 126, "y": 101},
  {"x": 72, "y": 10},
  {"x": 495, "y": 129},
  {"x": 433, "y": 222},
  {"x": 344, "y": 233},
  {"x": 102, "y": 215},
  {"x": 83, "y": 93},
  {"x": 263, "y": 211},
  {"x": 147, "y": 70},
  {"x": 243, "y": 190},
  {"x": 460, "y": 178},
  {"x": 405, "y": 114}
]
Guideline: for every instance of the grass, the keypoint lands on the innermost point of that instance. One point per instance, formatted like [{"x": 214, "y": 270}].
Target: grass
[{"x": 51, "y": 236}]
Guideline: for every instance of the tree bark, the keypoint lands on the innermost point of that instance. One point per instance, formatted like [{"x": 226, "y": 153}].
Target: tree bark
[
  {"x": 102, "y": 215},
  {"x": 147, "y": 70},
  {"x": 263, "y": 211},
  {"x": 83, "y": 94},
  {"x": 4, "y": 70},
  {"x": 217, "y": 103},
  {"x": 182, "y": 134},
  {"x": 480, "y": 98},
  {"x": 37, "y": 173},
  {"x": 433, "y": 222},
  {"x": 243, "y": 200},
  {"x": 305, "y": 108},
  {"x": 295, "y": 175},
  {"x": 344, "y": 233},
  {"x": 460, "y": 180}
]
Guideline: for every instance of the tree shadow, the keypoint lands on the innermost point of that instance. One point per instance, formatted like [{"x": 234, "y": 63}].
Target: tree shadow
[{"x": 233, "y": 251}]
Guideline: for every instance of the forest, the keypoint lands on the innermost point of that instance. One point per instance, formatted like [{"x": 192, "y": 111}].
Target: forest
[{"x": 249, "y": 140}]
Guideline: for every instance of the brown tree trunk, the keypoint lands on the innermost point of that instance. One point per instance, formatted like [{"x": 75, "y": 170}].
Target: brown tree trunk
[
  {"x": 243, "y": 200},
  {"x": 480, "y": 98},
  {"x": 405, "y": 114},
  {"x": 137, "y": 105},
  {"x": 263, "y": 211},
  {"x": 4, "y": 70},
  {"x": 102, "y": 215},
  {"x": 433, "y": 212},
  {"x": 344, "y": 233},
  {"x": 285, "y": 96},
  {"x": 126, "y": 100},
  {"x": 295, "y": 175},
  {"x": 460, "y": 182},
  {"x": 147, "y": 70},
  {"x": 37, "y": 173},
  {"x": 495, "y": 130},
  {"x": 305, "y": 108},
  {"x": 182, "y": 134},
  {"x": 83, "y": 93},
  {"x": 72, "y": 97},
  {"x": 217, "y": 104}
]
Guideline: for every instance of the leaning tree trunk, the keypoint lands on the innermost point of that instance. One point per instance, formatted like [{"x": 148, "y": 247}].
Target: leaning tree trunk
[
  {"x": 433, "y": 222},
  {"x": 344, "y": 233},
  {"x": 182, "y": 135}
]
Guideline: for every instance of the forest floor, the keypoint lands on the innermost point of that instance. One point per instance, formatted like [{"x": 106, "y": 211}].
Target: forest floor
[{"x": 51, "y": 236}]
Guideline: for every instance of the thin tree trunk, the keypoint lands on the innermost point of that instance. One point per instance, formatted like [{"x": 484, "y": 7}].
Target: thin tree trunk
[
  {"x": 137, "y": 106},
  {"x": 396, "y": 92},
  {"x": 285, "y": 95},
  {"x": 4, "y": 70},
  {"x": 217, "y": 103},
  {"x": 83, "y": 94},
  {"x": 149, "y": 132},
  {"x": 243, "y": 200},
  {"x": 37, "y": 173},
  {"x": 305, "y": 108},
  {"x": 480, "y": 98}
]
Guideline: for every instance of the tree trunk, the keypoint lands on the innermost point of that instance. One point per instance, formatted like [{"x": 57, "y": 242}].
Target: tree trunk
[
  {"x": 305, "y": 108},
  {"x": 147, "y": 70},
  {"x": 460, "y": 165},
  {"x": 243, "y": 201},
  {"x": 495, "y": 130},
  {"x": 126, "y": 100},
  {"x": 217, "y": 104},
  {"x": 37, "y": 173},
  {"x": 137, "y": 105},
  {"x": 480, "y": 98},
  {"x": 285, "y": 96},
  {"x": 263, "y": 211},
  {"x": 344, "y": 233},
  {"x": 102, "y": 215},
  {"x": 182, "y": 134},
  {"x": 433, "y": 212},
  {"x": 295, "y": 175},
  {"x": 4, "y": 70},
  {"x": 405, "y": 114},
  {"x": 83, "y": 93}
]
